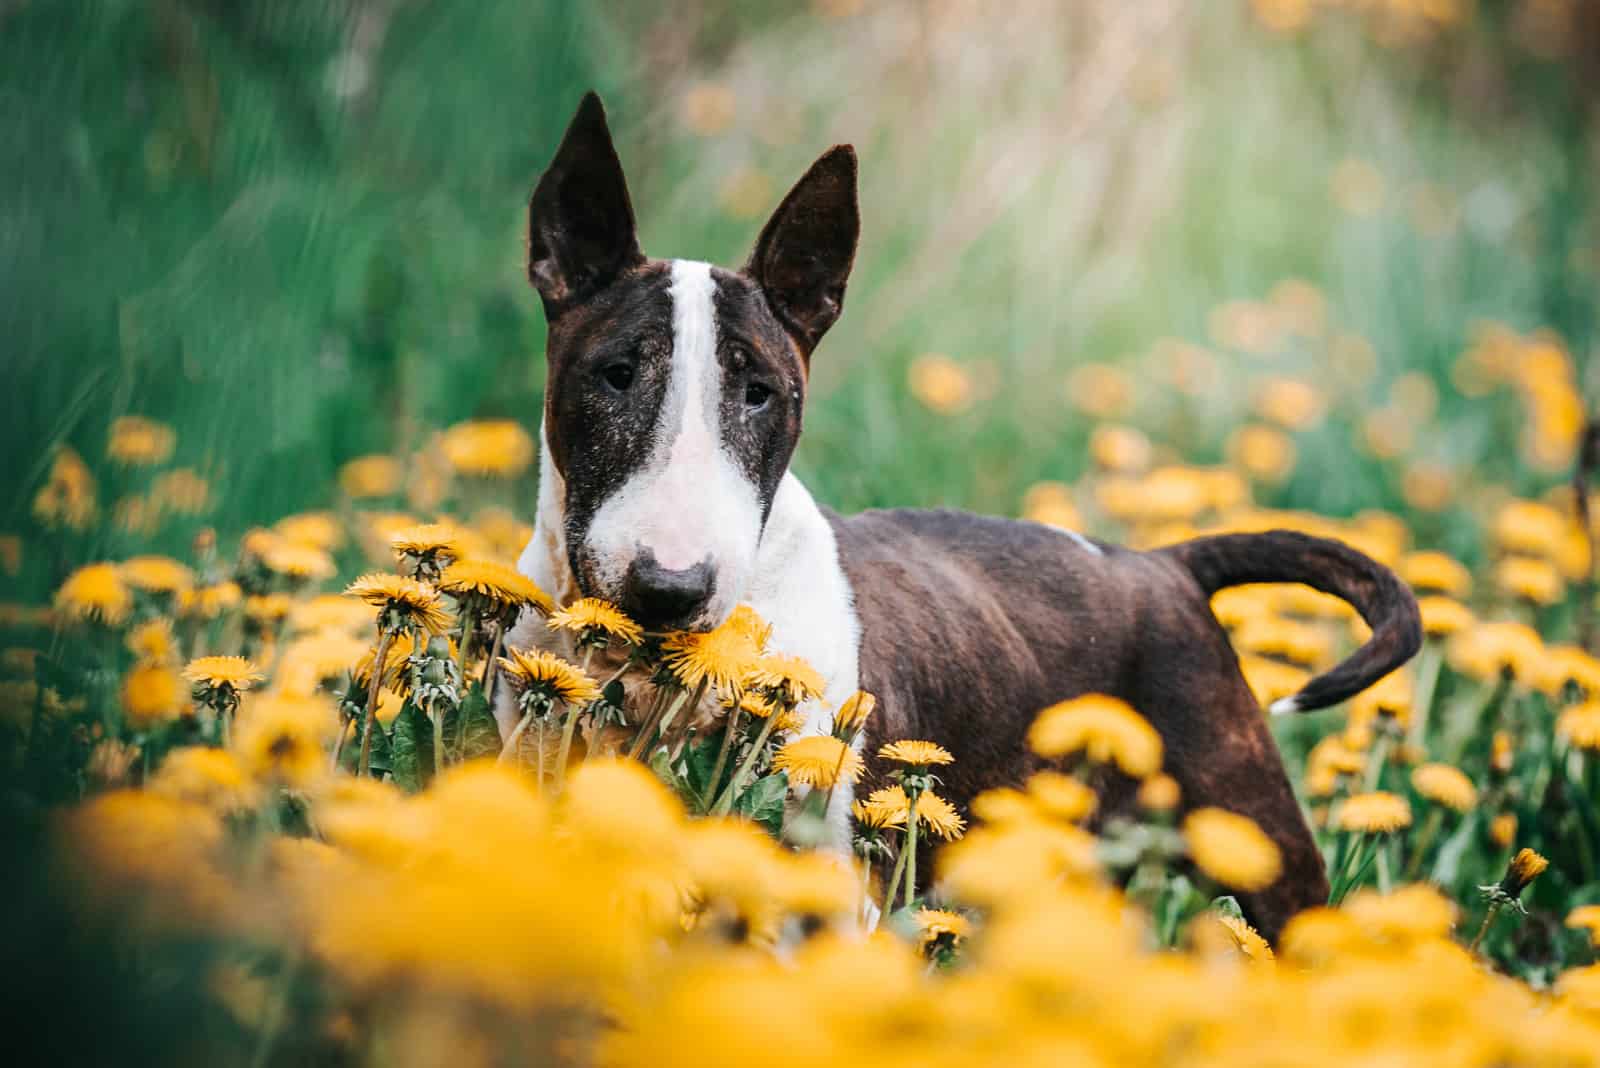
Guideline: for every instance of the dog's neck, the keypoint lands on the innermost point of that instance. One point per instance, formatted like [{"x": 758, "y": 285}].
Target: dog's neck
[{"x": 798, "y": 586}]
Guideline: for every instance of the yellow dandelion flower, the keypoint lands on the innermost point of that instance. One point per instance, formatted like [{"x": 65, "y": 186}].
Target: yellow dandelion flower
[
  {"x": 1004, "y": 804},
  {"x": 1051, "y": 503},
  {"x": 490, "y": 448},
  {"x": 1488, "y": 650},
  {"x": 152, "y": 694},
  {"x": 1232, "y": 849},
  {"x": 818, "y": 761},
  {"x": 1103, "y": 728},
  {"x": 504, "y": 588},
  {"x": 319, "y": 530},
  {"x": 1443, "y": 616},
  {"x": 68, "y": 496},
  {"x": 204, "y": 776},
  {"x": 1580, "y": 725},
  {"x": 156, "y": 574},
  {"x": 374, "y": 475},
  {"x": 1237, "y": 936},
  {"x": 401, "y": 649},
  {"x": 297, "y": 562},
  {"x": 210, "y": 601},
  {"x": 724, "y": 657},
  {"x": 1292, "y": 404},
  {"x": 1302, "y": 643},
  {"x": 940, "y": 383},
  {"x": 1264, "y": 453},
  {"x": 330, "y": 612},
  {"x": 787, "y": 679},
  {"x": 941, "y": 925},
  {"x": 1390, "y": 697},
  {"x": 1524, "y": 868},
  {"x": 1429, "y": 571},
  {"x": 887, "y": 808},
  {"x": 1567, "y": 664},
  {"x": 1159, "y": 793},
  {"x": 1378, "y": 812},
  {"x": 234, "y": 672},
  {"x": 1530, "y": 579},
  {"x": 596, "y": 622},
  {"x": 153, "y": 642},
  {"x": 1120, "y": 448},
  {"x": 853, "y": 714},
  {"x": 1586, "y": 918},
  {"x": 1503, "y": 829},
  {"x": 748, "y": 621},
  {"x": 876, "y": 817},
  {"x": 1446, "y": 785},
  {"x": 406, "y": 599},
  {"x": 97, "y": 592},
  {"x": 280, "y": 739},
  {"x": 432, "y": 546},
  {"x": 549, "y": 675},
  {"x": 916, "y": 753},
  {"x": 1415, "y": 913},
  {"x": 182, "y": 490},
  {"x": 1530, "y": 527},
  {"x": 266, "y": 610},
  {"x": 308, "y": 662},
  {"x": 139, "y": 442},
  {"x": 1061, "y": 796}
]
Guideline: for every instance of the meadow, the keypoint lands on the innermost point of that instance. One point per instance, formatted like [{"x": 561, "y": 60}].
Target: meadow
[{"x": 1133, "y": 270}]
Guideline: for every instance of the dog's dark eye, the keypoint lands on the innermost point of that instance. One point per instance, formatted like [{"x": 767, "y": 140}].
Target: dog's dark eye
[
  {"x": 619, "y": 376},
  {"x": 756, "y": 395}
]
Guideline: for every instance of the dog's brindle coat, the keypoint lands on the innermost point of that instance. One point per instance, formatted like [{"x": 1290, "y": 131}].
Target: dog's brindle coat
[{"x": 673, "y": 404}]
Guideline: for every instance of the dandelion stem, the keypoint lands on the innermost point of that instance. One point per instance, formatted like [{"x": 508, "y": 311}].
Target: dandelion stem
[
  {"x": 1384, "y": 881},
  {"x": 722, "y": 755},
  {"x": 647, "y": 726},
  {"x": 569, "y": 727},
  {"x": 1488, "y": 919},
  {"x": 1428, "y": 665},
  {"x": 911, "y": 848},
  {"x": 893, "y": 886},
  {"x": 378, "y": 659},
  {"x": 1376, "y": 761},
  {"x": 725, "y": 803},
  {"x": 437, "y": 713},
  {"x": 469, "y": 628},
  {"x": 1424, "y": 841},
  {"x": 338, "y": 746},
  {"x": 514, "y": 739},
  {"x": 489, "y": 674}
]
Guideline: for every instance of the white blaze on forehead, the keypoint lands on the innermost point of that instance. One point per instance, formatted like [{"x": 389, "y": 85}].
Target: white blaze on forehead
[{"x": 690, "y": 501}]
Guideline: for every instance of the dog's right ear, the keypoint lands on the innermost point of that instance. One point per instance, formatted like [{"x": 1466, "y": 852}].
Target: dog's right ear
[{"x": 581, "y": 233}]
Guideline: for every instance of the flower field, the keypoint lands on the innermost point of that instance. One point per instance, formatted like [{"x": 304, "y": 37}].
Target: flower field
[{"x": 282, "y": 785}]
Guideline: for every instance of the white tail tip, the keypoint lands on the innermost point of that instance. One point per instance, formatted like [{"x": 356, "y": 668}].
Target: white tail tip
[{"x": 1284, "y": 706}]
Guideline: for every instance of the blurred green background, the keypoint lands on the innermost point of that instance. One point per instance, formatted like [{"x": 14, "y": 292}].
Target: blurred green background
[{"x": 294, "y": 230}]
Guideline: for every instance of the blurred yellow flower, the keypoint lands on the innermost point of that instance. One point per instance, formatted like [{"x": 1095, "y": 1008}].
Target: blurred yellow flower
[
  {"x": 1586, "y": 918},
  {"x": 746, "y": 192},
  {"x": 1232, "y": 849},
  {"x": 709, "y": 108},
  {"x": 316, "y": 530},
  {"x": 1503, "y": 829},
  {"x": 1120, "y": 448},
  {"x": 152, "y": 642},
  {"x": 1100, "y": 390},
  {"x": 1428, "y": 571},
  {"x": 1530, "y": 527},
  {"x": 1443, "y": 616},
  {"x": 204, "y": 776},
  {"x": 1051, "y": 503},
  {"x": 1106, "y": 729},
  {"x": 818, "y": 761},
  {"x": 1580, "y": 725},
  {"x": 94, "y": 592},
  {"x": 135, "y": 441},
  {"x": 298, "y": 561},
  {"x": 374, "y": 475},
  {"x": 1408, "y": 914},
  {"x": 1564, "y": 665},
  {"x": 1159, "y": 793},
  {"x": 281, "y": 740},
  {"x": 156, "y": 574},
  {"x": 68, "y": 496},
  {"x": 1290, "y": 403},
  {"x": 1377, "y": 812},
  {"x": 941, "y": 384},
  {"x": 1358, "y": 187},
  {"x": 209, "y": 601},
  {"x": 1062, "y": 796},
  {"x": 941, "y": 925},
  {"x": 495, "y": 448},
  {"x": 330, "y": 612},
  {"x": 1530, "y": 579},
  {"x": 181, "y": 490},
  {"x": 1428, "y": 487},
  {"x": 152, "y": 693},
  {"x": 1446, "y": 785},
  {"x": 1487, "y": 650},
  {"x": 1262, "y": 452},
  {"x": 1272, "y": 680}
]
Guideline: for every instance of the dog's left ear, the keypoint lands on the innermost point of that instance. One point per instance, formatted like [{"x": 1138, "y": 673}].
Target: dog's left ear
[
  {"x": 802, "y": 258},
  {"x": 581, "y": 233}
]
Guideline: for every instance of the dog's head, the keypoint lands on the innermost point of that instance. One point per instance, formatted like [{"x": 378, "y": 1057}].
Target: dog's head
[{"x": 674, "y": 391}]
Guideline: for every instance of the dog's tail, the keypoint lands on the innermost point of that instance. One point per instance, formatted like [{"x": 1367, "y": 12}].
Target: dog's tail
[{"x": 1287, "y": 556}]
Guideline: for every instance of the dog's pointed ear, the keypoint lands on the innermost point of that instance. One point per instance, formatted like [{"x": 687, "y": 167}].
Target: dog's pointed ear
[
  {"x": 802, "y": 258},
  {"x": 581, "y": 232}
]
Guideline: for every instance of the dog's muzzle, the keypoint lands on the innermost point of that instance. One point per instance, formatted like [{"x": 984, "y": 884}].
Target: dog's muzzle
[{"x": 663, "y": 599}]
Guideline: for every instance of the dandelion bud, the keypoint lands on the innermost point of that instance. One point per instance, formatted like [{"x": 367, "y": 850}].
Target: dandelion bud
[
  {"x": 1524, "y": 868},
  {"x": 1502, "y": 829},
  {"x": 852, "y": 715},
  {"x": 1159, "y": 793},
  {"x": 1501, "y": 754}
]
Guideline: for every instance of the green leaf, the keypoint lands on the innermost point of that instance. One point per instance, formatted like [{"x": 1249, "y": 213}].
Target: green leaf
[
  {"x": 412, "y": 760},
  {"x": 699, "y": 760},
  {"x": 661, "y": 764},
  {"x": 763, "y": 802},
  {"x": 382, "y": 752},
  {"x": 470, "y": 731}
]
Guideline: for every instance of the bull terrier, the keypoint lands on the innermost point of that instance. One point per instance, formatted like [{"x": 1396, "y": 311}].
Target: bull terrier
[{"x": 674, "y": 397}]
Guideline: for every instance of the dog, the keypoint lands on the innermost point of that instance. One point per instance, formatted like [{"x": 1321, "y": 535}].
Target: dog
[{"x": 674, "y": 400}]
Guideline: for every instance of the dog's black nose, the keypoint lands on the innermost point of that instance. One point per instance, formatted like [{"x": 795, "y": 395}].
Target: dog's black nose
[{"x": 661, "y": 599}]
